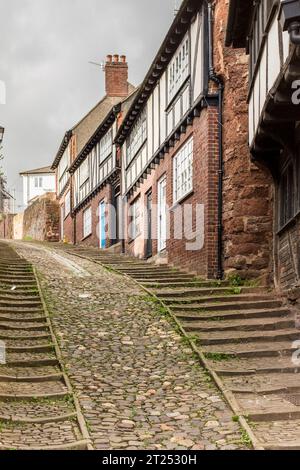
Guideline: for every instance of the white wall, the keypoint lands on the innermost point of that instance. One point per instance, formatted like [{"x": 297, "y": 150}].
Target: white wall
[{"x": 29, "y": 189}]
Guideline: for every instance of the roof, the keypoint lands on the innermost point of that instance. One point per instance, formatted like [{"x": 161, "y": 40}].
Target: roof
[
  {"x": 38, "y": 171},
  {"x": 88, "y": 125},
  {"x": 239, "y": 22},
  {"x": 164, "y": 56},
  {"x": 105, "y": 124}
]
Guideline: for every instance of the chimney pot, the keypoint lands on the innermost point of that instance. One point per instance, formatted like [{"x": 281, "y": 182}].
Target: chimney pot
[{"x": 116, "y": 76}]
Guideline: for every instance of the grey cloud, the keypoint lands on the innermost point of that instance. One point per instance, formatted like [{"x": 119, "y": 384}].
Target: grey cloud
[{"x": 46, "y": 46}]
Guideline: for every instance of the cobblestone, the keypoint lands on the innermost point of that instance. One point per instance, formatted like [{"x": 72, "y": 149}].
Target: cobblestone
[{"x": 137, "y": 382}]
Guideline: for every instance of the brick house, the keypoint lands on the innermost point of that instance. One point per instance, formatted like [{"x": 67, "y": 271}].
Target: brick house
[
  {"x": 86, "y": 163},
  {"x": 192, "y": 195},
  {"x": 269, "y": 31}
]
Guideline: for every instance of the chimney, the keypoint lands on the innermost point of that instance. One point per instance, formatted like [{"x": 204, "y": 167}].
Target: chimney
[{"x": 116, "y": 75}]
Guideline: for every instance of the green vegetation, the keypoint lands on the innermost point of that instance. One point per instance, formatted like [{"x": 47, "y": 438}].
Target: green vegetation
[{"x": 219, "y": 357}]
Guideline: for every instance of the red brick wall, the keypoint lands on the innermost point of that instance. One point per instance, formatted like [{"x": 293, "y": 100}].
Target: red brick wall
[
  {"x": 247, "y": 189},
  {"x": 116, "y": 77},
  {"x": 205, "y": 185},
  {"x": 93, "y": 239}
]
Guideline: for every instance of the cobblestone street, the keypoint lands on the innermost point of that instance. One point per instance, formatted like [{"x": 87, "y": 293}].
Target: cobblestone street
[{"x": 138, "y": 383}]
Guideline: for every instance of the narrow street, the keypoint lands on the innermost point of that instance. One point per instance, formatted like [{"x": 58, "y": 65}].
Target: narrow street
[{"x": 137, "y": 380}]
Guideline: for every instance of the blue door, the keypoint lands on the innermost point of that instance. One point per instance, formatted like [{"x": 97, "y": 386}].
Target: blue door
[{"x": 102, "y": 222}]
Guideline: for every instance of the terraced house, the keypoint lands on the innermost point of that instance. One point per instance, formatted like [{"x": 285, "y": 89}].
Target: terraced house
[
  {"x": 270, "y": 33},
  {"x": 87, "y": 165},
  {"x": 193, "y": 197}
]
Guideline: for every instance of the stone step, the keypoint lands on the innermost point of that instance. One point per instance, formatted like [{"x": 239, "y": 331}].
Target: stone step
[
  {"x": 20, "y": 303},
  {"x": 23, "y": 334},
  {"x": 38, "y": 348},
  {"x": 166, "y": 280},
  {"x": 28, "y": 317},
  {"x": 215, "y": 299},
  {"x": 256, "y": 304},
  {"x": 20, "y": 390},
  {"x": 53, "y": 436},
  {"x": 17, "y": 282},
  {"x": 234, "y": 315},
  {"x": 29, "y": 410},
  {"x": 40, "y": 373},
  {"x": 12, "y": 326},
  {"x": 262, "y": 384},
  {"x": 206, "y": 291},
  {"x": 247, "y": 336},
  {"x": 20, "y": 310},
  {"x": 271, "y": 323},
  {"x": 160, "y": 275},
  {"x": 273, "y": 407},
  {"x": 278, "y": 435},
  {"x": 255, "y": 365},
  {"x": 251, "y": 349},
  {"x": 175, "y": 284},
  {"x": 20, "y": 293}
]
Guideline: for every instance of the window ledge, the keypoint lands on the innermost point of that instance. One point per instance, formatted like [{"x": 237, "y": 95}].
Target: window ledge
[
  {"x": 86, "y": 237},
  {"x": 289, "y": 224},
  {"x": 181, "y": 200}
]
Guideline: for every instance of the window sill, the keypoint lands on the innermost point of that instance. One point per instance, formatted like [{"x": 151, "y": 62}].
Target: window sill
[
  {"x": 288, "y": 224},
  {"x": 132, "y": 240},
  {"x": 86, "y": 237},
  {"x": 182, "y": 200}
]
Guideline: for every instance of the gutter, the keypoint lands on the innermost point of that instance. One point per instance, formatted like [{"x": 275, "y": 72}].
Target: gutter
[{"x": 219, "y": 82}]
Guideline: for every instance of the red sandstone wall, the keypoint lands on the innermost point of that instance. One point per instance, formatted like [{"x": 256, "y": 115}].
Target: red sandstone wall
[
  {"x": 41, "y": 219},
  {"x": 7, "y": 226},
  {"x": 247, "y": 189}
]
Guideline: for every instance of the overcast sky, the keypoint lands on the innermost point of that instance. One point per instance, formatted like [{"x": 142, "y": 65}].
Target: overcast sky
[{"x": 45, "y": 49}]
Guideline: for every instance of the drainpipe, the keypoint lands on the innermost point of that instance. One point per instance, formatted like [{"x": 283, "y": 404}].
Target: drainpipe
[{"x": 218, "y": 81}]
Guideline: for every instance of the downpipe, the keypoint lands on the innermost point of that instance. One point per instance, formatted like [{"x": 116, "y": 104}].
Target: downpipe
[{"x": 219, "y": 82}]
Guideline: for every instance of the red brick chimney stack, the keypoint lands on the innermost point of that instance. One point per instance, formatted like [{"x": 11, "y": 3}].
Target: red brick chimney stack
[{"x": 116, "y": 75}]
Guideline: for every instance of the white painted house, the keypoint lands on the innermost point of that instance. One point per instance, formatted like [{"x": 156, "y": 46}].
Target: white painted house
[{"x": 36, "y": 183}]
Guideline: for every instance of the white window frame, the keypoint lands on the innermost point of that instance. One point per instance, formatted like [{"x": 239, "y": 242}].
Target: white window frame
[
  {"x": 67, "y": 204},
  {"x": 87, "y": 222},
  {"x": 137, "y": 137},
  {"x": 183, "y": 171},
  {"x": 179, "y": 68},
  {"x": 135, "y": 219},
  {"x": 84, "y": 172},
  {"x": 38, "y": 182},
  {"x": 105, "y": 146}
]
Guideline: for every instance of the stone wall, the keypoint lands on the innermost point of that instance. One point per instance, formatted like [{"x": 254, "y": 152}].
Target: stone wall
[
  {"x": 248, "y": 194},
  {"x": 7, "y": 226},
  {"x": 18, "y": 226},
  {"x": 41, "y": 219}
]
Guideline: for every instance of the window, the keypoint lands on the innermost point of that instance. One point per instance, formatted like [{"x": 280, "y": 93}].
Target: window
[
  {"x": 287, "y": 196},
  {"x": 135, "y": 219},
  {"x": 84, "y": 172},
  {"x": 260, "y": 22},
  {"x": 63, "y": 167},
  {"x": 106, "y": 146},
  {"x": 183, "y": 171},
  {"x": 38, "y": 182},
  {"x": 87, "y": 222},
  {"x": 67, "y": 204},
  {"x": 137, "y": 136},
  {"x": 178, "y": 70}
]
